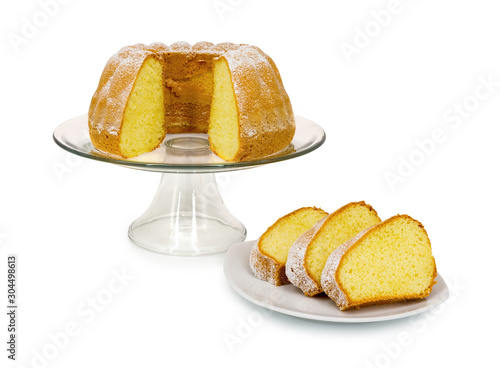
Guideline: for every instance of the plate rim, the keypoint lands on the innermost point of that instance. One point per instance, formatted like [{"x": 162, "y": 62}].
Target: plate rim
[{"x": 438, "y": 299}]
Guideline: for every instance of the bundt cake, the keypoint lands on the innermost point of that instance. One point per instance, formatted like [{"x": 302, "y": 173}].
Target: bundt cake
[
  {"x": 308, "y": 255},
  {"x": 389, "y": 262},
  {"x": 233, "y": 92},
  {"x": 268, "y": 256}
]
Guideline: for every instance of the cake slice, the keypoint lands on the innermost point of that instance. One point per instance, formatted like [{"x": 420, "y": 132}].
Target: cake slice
[
  {"x": 268, "y": 256},
  {"x": 308, "y": 255},
  {"x": 390, "y": 262}
]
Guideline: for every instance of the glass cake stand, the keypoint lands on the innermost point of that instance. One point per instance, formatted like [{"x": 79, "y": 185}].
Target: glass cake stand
[{"x": 187, "y": 216}]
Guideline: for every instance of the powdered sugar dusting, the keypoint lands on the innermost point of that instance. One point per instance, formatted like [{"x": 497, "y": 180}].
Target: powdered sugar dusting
[
  {"x": 262, "y": 100},
  {"x": 115, "y": 85},
  {"x": 264, "y": 267},
  {"x": 295, "y": 269}
]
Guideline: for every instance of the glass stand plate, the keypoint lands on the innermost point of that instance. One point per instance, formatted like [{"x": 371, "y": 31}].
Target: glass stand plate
[
  {"x": 185, "y": 153},
  {"x": 290, "y": 300},
  {"x": 187, "y": 216}
]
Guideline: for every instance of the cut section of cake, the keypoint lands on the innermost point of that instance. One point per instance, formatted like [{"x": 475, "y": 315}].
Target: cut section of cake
[
  {"x": 308, "y": 255},
  {"x": 224, "y": 127},
  {"x": 390, "y": 262},
  {"x": 268, "y": 256},
  {"x": 143, "y": 127},
  {"x": 189, "y": 85}
]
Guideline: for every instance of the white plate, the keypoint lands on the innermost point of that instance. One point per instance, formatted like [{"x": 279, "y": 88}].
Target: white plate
[{"x": 290, "y": 300}]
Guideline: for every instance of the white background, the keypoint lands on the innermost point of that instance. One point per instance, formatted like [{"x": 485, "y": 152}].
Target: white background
[{"x": 69, "y": 228}]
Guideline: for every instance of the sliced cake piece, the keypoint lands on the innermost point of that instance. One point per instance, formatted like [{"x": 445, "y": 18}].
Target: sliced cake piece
[
  {"x": 268, "y": 256},
  {"x": 308, "y": 255},
  {"x": 390, "y": 262}
]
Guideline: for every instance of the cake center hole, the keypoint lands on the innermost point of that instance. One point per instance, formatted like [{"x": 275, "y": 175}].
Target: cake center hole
[{"x": 188, "y": 144}]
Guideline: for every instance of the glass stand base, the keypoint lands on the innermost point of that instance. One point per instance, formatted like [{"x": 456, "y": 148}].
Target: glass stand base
[{"x": 187, "y": 218}]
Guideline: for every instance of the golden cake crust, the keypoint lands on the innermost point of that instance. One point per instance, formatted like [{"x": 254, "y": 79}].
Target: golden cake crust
[
  {"x": 265, "y": 266},
  {"x": 266, "y": 118},
  {"x": 332, "y": 286},
  {"x": 296, "y": 270}
]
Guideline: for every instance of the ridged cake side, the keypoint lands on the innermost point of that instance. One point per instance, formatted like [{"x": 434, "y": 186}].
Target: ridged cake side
[{"x": 265, "y": 119}]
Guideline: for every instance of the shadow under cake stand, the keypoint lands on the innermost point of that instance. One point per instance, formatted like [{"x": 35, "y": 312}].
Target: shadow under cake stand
[{"x": 187, "y": 216}]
